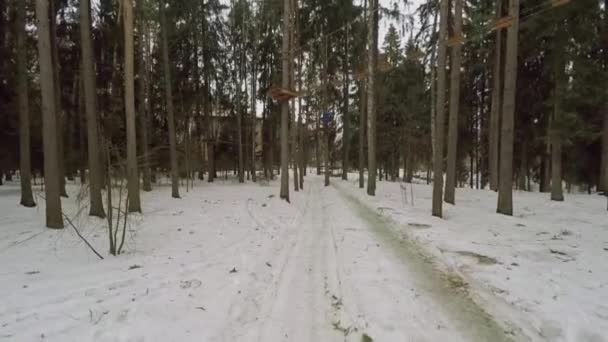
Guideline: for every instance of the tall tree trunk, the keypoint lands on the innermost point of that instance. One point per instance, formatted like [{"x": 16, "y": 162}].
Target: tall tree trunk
[
  {"x": 362, "y": 133},
  {"x": 326, "y": 123},
  {"x": 433, "y": 81},
  {"x": 143, "y": 95},
  {"x": 450, "y": 183},
  {"x": 169, "y": 103},
  {"x": 27, "y": 198},
  {"x": 284, "y": 193},
  {"x": 345, "y": 112},
  {"x": 372, "y": 59},
  {"x": 132, "y": 172},
  {"x": 54, "y": 217},
  {"x": 90, "y": 106},
  {"x": 604, "y": 166},
  {"x": 496, "y": 107},
  {"x": 362, "y": 118},
  {"x": 557, "y": 193},
  {"x": 82, "y": 126},
  {"x": 505, "y": 189},
  {"x": 254, "y": 83},
  {"x": 523, "y": 168},
  {"x": 58, "y": 107},
  {"x": 318, "y": 142},
  {"x": 440, "y": 112}
]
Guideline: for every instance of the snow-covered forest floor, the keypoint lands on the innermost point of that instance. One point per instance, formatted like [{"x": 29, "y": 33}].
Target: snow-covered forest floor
[{"x": 232, "y": 262}]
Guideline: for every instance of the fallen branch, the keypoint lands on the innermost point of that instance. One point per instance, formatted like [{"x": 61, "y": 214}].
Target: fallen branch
[{"x": 82, "y": 237}]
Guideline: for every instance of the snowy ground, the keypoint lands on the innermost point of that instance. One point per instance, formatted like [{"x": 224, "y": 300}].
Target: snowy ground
[
  {"x": 544, "y": 269},
  {"x": 232, "y": 262}
]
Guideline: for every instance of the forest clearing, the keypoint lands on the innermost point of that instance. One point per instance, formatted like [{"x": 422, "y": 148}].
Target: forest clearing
[{"x": 304, "y": 170}]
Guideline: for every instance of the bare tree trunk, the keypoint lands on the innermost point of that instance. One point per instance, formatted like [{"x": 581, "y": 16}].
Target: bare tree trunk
[
  {"x": 604, "y": 166},
  {"x": 254, "y": 114},
  {"x": 505, "y": 190},
  {"x": 143, "y": 95},
  {"x": 90, "y": 105},
  {"x": 54, "y": 217},
  {"x": 82, "y": 126},
  {"x": 132, "y": 172},
  {"x": 433, "y": 81},
  {"x": 169, "y": 103},
  {"x": 27, "y": 198},
  {"x": 345, "y": 112},
  {"x": 495, "y": 112},
  {"x": 450, "y": 183},
  {"x": 326, "y": 123},
  {"x": 362, "y": 134},
  {"x": 604, "y": 174},
  {"x": 284, "y": 194},
  {"x": 318, "y": 143},
  {"x": 523, "y": 169},
  {"x": 557, "y": 193},
  {"x": 440, "y": 112},
  {"x": 371, "y": 96}
]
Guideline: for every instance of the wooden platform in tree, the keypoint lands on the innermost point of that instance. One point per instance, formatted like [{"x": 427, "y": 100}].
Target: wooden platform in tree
[
  {"x": 557, "y": 3},
  {"x": 281, "y": 94},
  {"x": 456, "y": 40},
  {"x": 503, "y": 22}
]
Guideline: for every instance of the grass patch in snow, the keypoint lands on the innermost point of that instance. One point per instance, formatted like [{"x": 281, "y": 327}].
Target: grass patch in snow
[{"x": 482, "y": 259}]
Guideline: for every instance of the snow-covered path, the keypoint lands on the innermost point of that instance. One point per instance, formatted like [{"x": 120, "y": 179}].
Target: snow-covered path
[
  {"x": 229, "y": 263},
  {"x": 345, "y": 274}
]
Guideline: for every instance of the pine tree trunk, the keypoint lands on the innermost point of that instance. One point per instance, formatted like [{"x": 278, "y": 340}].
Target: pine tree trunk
[
  {"x": 523, "y": 169},
  {"x": 58, "y": 107},
  {"x": 27, "y": 198},
  {"x": 556, "y": 134},
  {"x": 372, "y": 59},
  {"x": 440, "y": 112},
  {"x": 604, "y": 166},
  {"x": 143, "y": 94},
  {"x": 362, "y": 133},
  {"x": 169, "y": 103},
  {"x": 496, "y": 107},
  {"x": 345, "y": 112},
  {"x": 604, "y": 174},
  {"x": 362, "y": 118},
  {"x": 82, "y": 126},
  {"x": 450, "y": 184},
  {"x": 433, "y": 81},
  {"x": 132, "y": 172},
  {"x": 54, "y": 217},
  {"x": 90, "y": 106},
  {"x": 284, "y": 193},
  {"x": 254, "y": 114},
  {"x": 505, "y": 189},
  {"x": 326, "y": 124}
]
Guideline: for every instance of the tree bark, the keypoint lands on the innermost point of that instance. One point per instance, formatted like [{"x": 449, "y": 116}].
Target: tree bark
[
  {"x": 437, "y": 209},
  {"x": 505, "y": 189},
  {"x": 450, "y": 184},
  {"x": 27, "y": 198},
  {"x": 169, "y": 103},
  {"x": 362, "y": 133},
  {"x": 345, "y": 112},
  {"x": 372, "y": 59},
  {"x": 557, "y": 193},
  {"x": 58, "y": 107},
  {"x": 284, "y": 193},
  {"x": 433, "y": 81},
  {"x": 143, "y": 95},
  {"x": 495, "y": 112},
  {"x": 90, "y": 105},
  {"x": 132, "y": 172},
  {"x": 54, "y": 217}
]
